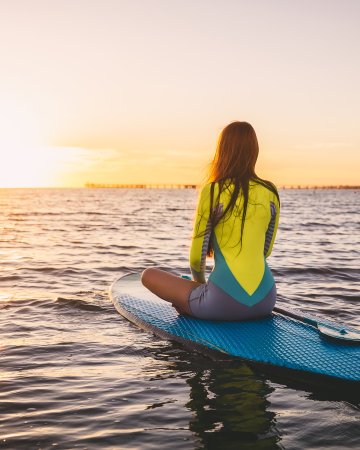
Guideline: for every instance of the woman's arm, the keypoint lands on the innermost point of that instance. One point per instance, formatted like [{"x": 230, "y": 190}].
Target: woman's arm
[{"x": 201, "y": 236}]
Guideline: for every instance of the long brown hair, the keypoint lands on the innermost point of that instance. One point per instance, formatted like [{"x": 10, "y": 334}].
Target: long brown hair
[
  {"x": 236, "y": 153},
  {"x": 234, "y": 164}
]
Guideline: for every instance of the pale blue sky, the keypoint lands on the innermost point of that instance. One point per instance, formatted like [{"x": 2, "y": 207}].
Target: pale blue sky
[{"x": 139, "y": 90}]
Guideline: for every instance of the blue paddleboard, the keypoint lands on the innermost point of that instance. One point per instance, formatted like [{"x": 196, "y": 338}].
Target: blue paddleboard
[{"x": 276, "y": 341}]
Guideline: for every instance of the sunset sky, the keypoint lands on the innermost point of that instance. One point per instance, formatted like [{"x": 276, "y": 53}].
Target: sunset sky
[{"x": 137, "y": 91}]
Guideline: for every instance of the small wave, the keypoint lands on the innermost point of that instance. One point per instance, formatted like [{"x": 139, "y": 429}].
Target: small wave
[
  {"x": 110, "y": 253},
  {"x": 126, "y": 247},
  {"x": 26, "y": 304},
  {"x": 318, "y": 225},
  {"x": 120, "y": 269},
  {"x": 55, "y": 270},
  {"x": 82, "y": 305},
  {"x": 15, "y": 243},
  {"x": 346, "y": 273},
  {"x": 121, "y": 247},
  {"x": 349, "y": 298},
  {"x": 40, "y": 213},
  {"x": 54, "y": 230},
  {"x": 9, "y": 278},
  {"x": 179, "y": 209}
]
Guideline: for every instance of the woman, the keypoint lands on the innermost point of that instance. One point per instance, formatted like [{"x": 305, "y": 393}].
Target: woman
[{"x": 236, "y": 220}]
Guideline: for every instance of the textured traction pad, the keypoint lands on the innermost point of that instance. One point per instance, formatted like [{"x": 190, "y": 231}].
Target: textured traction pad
[{"x": 276, "y": 340}]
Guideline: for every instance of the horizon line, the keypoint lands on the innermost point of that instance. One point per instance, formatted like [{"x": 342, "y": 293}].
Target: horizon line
[
  {"x": 195, "y": 186},
  {"x": 174, "y": 186}
]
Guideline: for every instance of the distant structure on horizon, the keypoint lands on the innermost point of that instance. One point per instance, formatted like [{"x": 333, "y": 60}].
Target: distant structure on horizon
[
  {"x": 141, "y": 186},
  {"x": 194, "y": 186},
  {"x": 322, "y": 187}
]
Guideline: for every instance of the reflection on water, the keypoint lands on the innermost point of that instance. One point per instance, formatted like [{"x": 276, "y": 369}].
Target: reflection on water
[
  {"x": 74, "y": 374},
  {"x": 230, "y": 407}
]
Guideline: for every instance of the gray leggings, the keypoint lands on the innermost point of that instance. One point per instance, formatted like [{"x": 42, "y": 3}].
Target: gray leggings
[{"x": 210, "y": 302}]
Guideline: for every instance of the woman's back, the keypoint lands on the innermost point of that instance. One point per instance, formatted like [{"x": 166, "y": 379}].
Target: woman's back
[{"x": 240, "y": 267}]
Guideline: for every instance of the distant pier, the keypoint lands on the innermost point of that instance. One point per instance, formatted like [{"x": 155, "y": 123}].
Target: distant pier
[
  {"x": 341, "y": 186},
  {"x": 141, "y": 186},
  {"x": 194, "y": 186}
]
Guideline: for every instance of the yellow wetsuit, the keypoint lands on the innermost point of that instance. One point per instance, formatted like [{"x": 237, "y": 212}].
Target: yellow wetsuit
[{"x": 240, "y": 268}]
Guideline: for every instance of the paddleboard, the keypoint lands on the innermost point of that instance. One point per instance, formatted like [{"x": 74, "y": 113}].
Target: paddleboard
[{"x": 276, "y": 341}]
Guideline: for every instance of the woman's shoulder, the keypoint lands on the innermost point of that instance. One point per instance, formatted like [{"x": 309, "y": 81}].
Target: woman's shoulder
[
  {"x": 207, "y": 188},
  {"x": 265, "y": 188},
  {"x": 204, "y": 194}
]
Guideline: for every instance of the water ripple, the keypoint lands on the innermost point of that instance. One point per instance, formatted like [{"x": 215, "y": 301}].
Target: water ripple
[{"x": 77, "y": 375}]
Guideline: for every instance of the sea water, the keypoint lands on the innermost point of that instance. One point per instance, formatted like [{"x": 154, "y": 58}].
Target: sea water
[{"x": 75, "y": 374}]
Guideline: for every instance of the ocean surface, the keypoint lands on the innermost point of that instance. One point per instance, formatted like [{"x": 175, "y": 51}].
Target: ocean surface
[{"x": 75, "y": 375}]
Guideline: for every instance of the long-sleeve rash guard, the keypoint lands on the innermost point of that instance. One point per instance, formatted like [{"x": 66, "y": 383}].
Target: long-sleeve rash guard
[{"x": 240, "y": 267}]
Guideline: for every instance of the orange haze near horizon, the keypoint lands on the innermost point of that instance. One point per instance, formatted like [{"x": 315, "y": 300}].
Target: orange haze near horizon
[{"x": 126, "y": 92}]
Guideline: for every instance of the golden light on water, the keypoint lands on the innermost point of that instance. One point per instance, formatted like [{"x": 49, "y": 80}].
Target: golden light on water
[{"x": 4, "y": 297}]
